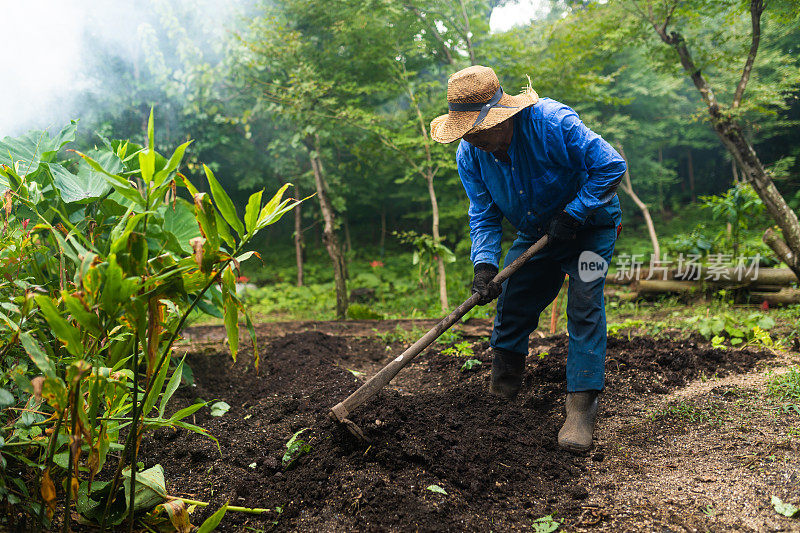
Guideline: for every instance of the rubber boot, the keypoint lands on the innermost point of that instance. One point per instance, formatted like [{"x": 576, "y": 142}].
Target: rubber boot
[
  {"x": 507, "y": 370},
  {"x": 576, "y": 433}
]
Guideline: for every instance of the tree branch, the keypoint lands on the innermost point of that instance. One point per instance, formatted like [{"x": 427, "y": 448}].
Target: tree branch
[
  {"x": 756, "y": 8},
  {"x": 434, "y": 32}
]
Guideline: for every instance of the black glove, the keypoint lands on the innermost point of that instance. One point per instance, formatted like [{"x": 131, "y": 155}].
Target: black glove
[
  {"x": 563, "y": 227},
  {"x": 483, "y": 284}
]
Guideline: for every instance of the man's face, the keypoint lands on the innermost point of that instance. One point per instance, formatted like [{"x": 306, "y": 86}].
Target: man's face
[{"x": 495, "y": 139}]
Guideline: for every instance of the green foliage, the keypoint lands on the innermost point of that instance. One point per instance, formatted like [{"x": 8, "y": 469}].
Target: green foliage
[
  {"x": 363, "y": 312},
  {"x": 111, "y": 269},
  {"x": 546, "y": 524},
  {"x": 786, "y": 387},
  {"x": 737, "y": 207},
  {"x": 739, "y": 330},
  {"x": 460, "y": 349},
  {"x": 783, "y": 508},
  {"x": 437, "y": 489},
  {"x": 219, "y": 408},
  {"x": 470, "y": 364},
  {"x": 295, "y": 448}
]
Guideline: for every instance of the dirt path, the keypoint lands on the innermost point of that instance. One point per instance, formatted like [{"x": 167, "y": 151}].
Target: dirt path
[{"x": 688, "y": 439}]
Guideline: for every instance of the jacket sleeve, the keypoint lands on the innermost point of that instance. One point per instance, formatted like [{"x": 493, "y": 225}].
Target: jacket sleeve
[
  {"x": 571, "y": 144},
  {"x": 485, "y": 218}
]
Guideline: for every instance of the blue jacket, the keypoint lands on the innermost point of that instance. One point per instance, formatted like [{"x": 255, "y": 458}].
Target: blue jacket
[{"x": 556, "y": 163}]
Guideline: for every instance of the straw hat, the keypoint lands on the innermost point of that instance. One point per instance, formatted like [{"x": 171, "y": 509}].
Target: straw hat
[{"x": 477, "y": 102}]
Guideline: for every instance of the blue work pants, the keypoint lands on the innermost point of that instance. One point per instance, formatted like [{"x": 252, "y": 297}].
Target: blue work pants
[{"x": 536, "y": 284}]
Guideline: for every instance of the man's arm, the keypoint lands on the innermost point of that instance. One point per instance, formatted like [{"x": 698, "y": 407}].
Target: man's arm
[
  {"x": 485, "y": 218},
  {"x": 573, "y": 145}
]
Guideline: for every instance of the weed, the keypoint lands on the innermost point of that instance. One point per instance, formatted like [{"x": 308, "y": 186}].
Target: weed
[
  {"x": 460, "y": 349},
  {"x": 469, "y": 364},
  {"x": 751, "y": 329},
  {"x": 295, "y": 448},
  {"x": 786, "y": 388},
  {"x": 449, "y": 337},
  {"x": 546, "y": 524}
]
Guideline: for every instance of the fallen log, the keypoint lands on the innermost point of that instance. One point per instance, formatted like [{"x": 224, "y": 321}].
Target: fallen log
[
  {"x": 725, "y": 277},
  {"x": 782, "y": 297}
]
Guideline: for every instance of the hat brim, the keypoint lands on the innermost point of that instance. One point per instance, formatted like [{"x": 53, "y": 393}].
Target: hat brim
[{"x": 454, "y": 125}]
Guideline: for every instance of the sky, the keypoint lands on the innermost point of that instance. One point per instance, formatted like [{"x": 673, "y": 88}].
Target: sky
[{"x": 45, "y": 49}]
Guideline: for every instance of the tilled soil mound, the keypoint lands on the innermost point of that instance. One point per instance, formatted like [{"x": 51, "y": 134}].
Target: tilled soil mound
[{"x": 498, "y": 461}]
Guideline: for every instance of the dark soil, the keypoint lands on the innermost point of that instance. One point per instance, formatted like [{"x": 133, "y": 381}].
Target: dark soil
[{"x": 497, "y": 461}]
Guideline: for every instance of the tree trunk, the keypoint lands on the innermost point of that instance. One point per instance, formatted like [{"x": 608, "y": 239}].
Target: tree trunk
[
  {"x": 298, "y": 240},
  {"x": 382, "y": 244},
  {"x": 347, "y": 242},
  {"x": 467, "y": 33},
  {"x": 660, "y": 182},
  {"x": 329, "y": 232},
  {"x": 628, "y": 188},
  {"x": 439, "y": 259},
  {"x": 732, "y": 136},
  {"x": 690, "y": 168},
  {"x": 735, "y": 172}
]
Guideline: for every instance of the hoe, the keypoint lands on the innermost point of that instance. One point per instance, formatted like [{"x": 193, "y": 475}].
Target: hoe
[{"x": 370, "y": 388}]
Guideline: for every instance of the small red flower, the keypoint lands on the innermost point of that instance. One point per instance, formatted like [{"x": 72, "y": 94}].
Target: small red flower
[
  {"x": 375, "y": 264},
  {"x": 764, "y": 305},
  {"x": 242, "y": 279},
  {"x": 25, "y": 223}
]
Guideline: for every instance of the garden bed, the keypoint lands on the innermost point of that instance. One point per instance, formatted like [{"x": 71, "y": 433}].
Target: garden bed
[{"x": 497, "y": 461}]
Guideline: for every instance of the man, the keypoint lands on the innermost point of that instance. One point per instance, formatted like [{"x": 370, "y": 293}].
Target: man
[{"x": 535, "y": 163}]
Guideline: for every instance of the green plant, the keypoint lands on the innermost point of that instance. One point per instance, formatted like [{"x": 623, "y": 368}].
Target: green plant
[
  {"x": 295, "y": 448},
  {"x": 736, "y": 207},
  {"x": 546, "y": 524},
  {"x": 469, "y": 364},
  {"x": 460, "y": 349},
  {"x": 425, "y": 253},
  {"x": 363, "y": 312},
  {"x": 749, "y": 329},
  {"x": 116, "y": 264},
  {"x": 786, "y": 388}
]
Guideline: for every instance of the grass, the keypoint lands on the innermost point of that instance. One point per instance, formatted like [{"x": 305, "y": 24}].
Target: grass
[{"x": 785, "y": 388}]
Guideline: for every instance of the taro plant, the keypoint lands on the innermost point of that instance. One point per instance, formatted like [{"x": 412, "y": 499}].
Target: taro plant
[{"x": 105, "y": 264}]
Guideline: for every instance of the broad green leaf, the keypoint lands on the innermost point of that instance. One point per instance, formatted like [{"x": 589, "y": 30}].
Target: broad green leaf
[
  {"x": 172, "y": 164},
  {"x": 158, "y": 384},
  {"x": 172, "y": 386},
  {"x": 85, "y": 318},
  {"x": 34, "y": 147},
  {"x": 224, "y": 231},
  {"x": 40, "y": 359},
  {"x": 231, "y": 311},
  {"x": 147, "y": 166},
  {"x": 181, "y": 224},
  {"x": 204, "y": 212},
  {"x": 224, "y": 203},
  {"x": 120, "y": 184},
  {"x": 219, "y": 408},
  {"x": 63, "y": 330},
  {"x": 6, "y": 399},
  {"x": 84, "y": 187},
  {"x": 150, "y": 489},
  {"x": 213, "y": 521},
  {"x": 252, "y": 210},
  {"x": 785, "y": 509}
]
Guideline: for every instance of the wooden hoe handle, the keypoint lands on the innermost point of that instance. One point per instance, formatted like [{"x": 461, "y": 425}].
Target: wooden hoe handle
[{"x": 371, "y": 387}]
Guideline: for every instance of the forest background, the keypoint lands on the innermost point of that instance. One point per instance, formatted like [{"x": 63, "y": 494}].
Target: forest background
[{"x": 336, "y": 98}]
